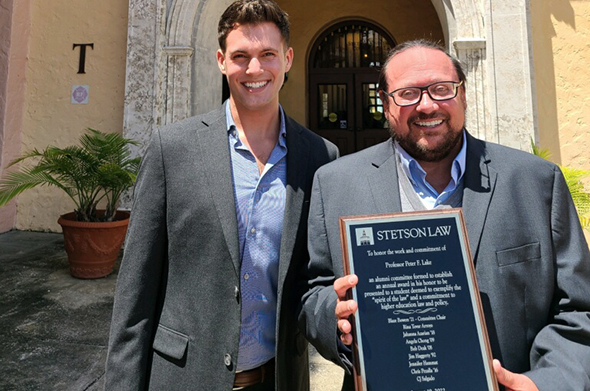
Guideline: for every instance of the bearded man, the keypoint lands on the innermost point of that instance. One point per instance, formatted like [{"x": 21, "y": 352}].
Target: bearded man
[{"x": 531, "y": 258}]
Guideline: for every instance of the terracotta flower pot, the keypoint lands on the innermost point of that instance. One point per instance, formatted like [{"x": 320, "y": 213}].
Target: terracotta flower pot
[{"x": 93, "y": 248}]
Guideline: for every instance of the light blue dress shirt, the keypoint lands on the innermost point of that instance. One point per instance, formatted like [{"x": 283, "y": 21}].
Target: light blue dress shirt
[
  {"x": 417, "y": 176},
  {"x": 260, "y": 206}
]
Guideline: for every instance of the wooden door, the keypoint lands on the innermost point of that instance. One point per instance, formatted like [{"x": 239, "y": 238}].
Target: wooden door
[{"x": 345, "y": 108}]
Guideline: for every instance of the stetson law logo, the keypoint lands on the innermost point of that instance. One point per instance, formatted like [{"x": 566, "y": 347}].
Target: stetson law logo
[{"x": 364, "y": 236}]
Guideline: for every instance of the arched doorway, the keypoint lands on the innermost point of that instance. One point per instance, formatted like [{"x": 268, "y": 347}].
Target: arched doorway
[
  {"x": 172, "y": 72},
  {"x": 344, "y": 104}
]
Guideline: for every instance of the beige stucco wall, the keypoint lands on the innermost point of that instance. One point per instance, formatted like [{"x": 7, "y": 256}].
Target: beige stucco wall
[
  {"x": 309, "y": 18},
  {"x": 50, "y": 117},
  {"x": 561, "y": 53}
]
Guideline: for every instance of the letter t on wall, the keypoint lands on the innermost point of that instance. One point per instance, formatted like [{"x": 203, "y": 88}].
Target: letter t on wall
[{"x": 82, "y": 61}]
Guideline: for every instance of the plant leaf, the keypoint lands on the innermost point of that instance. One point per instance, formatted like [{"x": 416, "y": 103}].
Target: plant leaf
[
  {"x": 15, "y": 183},
  {"x": 101, "y": 166}
]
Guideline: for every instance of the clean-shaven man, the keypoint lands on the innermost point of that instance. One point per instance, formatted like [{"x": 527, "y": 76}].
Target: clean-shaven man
[{"x": 210, "y": 280}]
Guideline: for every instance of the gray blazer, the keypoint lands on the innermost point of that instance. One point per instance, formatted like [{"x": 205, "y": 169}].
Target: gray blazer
[
  {"x": 531, "y": 258},
  {"x": 176, "y": 317}
]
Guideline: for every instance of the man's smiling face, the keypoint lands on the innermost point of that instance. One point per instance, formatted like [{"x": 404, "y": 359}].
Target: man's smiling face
[
  {"x": 428, "y": 130},
  {"x": 255, "y": 62}
]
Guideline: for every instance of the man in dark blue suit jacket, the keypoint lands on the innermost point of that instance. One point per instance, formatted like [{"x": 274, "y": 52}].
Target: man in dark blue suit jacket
[{"x": 531, "y": 257}]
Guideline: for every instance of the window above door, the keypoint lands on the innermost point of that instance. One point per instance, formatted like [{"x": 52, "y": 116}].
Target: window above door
[{"x": 351, "y": 44}]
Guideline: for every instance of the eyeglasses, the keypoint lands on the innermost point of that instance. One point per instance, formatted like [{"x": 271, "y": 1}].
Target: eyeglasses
[{"x": 441, "y": 90}]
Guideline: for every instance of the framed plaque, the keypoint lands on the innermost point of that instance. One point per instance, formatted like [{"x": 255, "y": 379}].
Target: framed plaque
[{"x": 419, "y": 324}]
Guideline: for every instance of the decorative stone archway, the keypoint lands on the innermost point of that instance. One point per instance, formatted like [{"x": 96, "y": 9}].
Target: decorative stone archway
[{"x": 171, "y": 70}]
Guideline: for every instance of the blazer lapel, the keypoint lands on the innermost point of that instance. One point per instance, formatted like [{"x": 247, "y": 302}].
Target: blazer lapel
[
  {"x": 383, "y": 181},
  {"x": 213, "y": 142},
  {"x": 479, "y": 184},
  {"x": 297, "y": 173}
]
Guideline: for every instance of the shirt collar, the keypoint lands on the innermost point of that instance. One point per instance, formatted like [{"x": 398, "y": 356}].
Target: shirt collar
[
  {"x": 231, "y": 125},
  {"x": 416, "y": 173}
]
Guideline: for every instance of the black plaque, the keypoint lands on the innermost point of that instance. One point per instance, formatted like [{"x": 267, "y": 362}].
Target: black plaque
[{"x": 419, "y": 324}]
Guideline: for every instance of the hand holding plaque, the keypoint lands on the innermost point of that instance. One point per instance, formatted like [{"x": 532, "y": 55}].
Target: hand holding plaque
[
  {"x": 345, "y": 307},
  {"x": 419, "y": 324}
]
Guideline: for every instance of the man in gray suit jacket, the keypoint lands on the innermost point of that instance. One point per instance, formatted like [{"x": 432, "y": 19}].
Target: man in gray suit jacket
[
  {"x": 531, "y": 258},
  {"x": 210, "y": 280}
]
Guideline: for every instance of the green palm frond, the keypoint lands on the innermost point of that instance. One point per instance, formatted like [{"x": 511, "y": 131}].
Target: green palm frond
[
  {"x": 574, "y": 178},
  {"x": 101, "y": 167},
  {"x": 30, "y": 154},
  {"x": 16, "y": 182},
  {"x": 109, "y": 147},
  {"x": 543, "y": 153}
]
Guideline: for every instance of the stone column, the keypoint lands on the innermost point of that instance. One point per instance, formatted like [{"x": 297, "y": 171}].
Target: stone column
[
  {"x": 466, "y": 39},
  {"x": 492, "y": 39},
  {"x": 142, "y": 73},
  {"x": 511, "y": 78},
  {"x": 178, "y": 83},
  {"x": 472, "y": 54}
]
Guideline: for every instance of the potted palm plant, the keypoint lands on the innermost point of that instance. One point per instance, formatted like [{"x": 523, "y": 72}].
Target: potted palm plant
[{"x": 97, "y": 171}]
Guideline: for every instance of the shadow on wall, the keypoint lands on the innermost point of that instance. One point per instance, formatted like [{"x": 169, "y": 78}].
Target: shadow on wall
[{"x": 543, "y": 14}]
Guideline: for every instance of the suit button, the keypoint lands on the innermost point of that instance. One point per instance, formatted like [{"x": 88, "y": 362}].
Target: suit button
[
  {"x": 227, "y": 359},
  {"x": 237, "y": 293}
]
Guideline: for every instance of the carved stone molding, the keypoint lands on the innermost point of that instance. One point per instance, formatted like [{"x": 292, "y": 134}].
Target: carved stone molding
[
  {"x": 178, "y": 87},
  {"x": 472, "y": 54}
]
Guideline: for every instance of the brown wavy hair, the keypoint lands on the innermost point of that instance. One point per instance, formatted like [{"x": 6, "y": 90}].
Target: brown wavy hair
[{"x": 252, "y": 12}]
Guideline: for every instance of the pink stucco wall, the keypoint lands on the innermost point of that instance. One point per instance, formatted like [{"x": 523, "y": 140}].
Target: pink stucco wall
[{"x": 14, "y": 36}]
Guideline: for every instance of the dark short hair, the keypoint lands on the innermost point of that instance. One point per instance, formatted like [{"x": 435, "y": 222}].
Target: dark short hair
[
  {"x": 252, "y": 12},
  {"x": 418, "y": 43}
]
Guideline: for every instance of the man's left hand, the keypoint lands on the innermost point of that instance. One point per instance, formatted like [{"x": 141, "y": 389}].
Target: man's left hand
[{"x": 513, "y": 381}]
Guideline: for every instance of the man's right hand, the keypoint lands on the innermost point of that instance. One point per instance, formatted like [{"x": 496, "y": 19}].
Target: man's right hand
[{"x": 345, "y": 308}]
